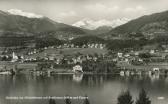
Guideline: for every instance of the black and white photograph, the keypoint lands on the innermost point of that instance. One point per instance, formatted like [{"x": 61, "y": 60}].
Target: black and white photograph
[{"x": 83, "y": 51}]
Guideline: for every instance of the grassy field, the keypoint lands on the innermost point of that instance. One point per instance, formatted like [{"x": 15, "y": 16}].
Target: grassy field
[{"x": 83, "y": 51}]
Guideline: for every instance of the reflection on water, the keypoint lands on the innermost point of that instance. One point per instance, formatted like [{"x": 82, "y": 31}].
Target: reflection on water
[
  {"x": 77, "y": 77},
  {"x": 101, "y": 89}
]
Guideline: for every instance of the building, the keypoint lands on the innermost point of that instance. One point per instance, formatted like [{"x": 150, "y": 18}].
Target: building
[{"x": 14, "y": 57}]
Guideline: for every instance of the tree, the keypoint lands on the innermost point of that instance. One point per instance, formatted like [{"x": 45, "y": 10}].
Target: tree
[
  {"x": 86, "y": 101},
  {"x": 145, "y": 55},
  {"x": 67, "y": 101},
  {"x": 87, "y": 40},
  {"x": 143, "y": 98},
  {"x": 125, "y": 98},
  {"x": 52, "y": 101}
]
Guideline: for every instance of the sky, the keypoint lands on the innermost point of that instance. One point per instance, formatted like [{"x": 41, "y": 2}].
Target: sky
[{"x": 71, "y": 11}]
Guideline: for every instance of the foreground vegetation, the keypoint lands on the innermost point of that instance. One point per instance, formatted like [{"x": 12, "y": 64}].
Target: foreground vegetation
[
  {"x": 126, "y": 98},
  {"x": 123, "y": 98}
]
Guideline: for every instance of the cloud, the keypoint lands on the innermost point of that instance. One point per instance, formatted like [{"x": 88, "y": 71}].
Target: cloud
[
  {"x": 136, "y": 9},
  {"x": 65, "y": 17},
  {"x": 98, "y": 7},
  {"x": 67, "y": 14},
  {"x": 26, "y": 14}
]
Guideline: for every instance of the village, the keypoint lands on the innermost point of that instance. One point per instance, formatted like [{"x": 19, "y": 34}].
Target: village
[{"x": 90, "y": 57}]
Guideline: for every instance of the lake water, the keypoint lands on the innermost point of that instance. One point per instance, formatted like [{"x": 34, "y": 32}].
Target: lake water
[{"x": 101, "y": 89}]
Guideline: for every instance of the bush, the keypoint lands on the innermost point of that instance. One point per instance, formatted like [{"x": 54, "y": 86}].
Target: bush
[
  {"x": 67, "y": 101},
  {"x": 143, "y": 98},
  {"x": 86, "y": 101},
  {"x": 125, "y": 98}
]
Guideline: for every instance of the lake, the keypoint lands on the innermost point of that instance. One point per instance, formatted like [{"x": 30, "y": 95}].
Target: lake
[{"x": 101, "y": 89}]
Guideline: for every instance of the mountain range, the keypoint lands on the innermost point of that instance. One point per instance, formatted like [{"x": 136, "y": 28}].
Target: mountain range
[
  {"x": 16, "y": 23},
  {"x": 157, "y": 22},
  {"x": 29, "y": 24},
  {"x": 93, "y": 25}
]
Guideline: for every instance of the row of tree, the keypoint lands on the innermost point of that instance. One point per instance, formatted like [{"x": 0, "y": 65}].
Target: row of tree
[
  {"x": 100, "y": 66},
  {"x": 118, "y": 44},
  {"x": 47, "y": 41},
  {"x": 126, "y": 98},
  {"x": 84, "y": 40}
]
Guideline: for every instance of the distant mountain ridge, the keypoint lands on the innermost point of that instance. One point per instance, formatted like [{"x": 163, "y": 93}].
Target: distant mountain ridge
[
  {"x": 18, "y": 28},
  {"x": 93, "y": 25},
  {"x": 157, "y": 22},
  {"x": 22, "y": 23},
  {"x": 25, "y": 14}
]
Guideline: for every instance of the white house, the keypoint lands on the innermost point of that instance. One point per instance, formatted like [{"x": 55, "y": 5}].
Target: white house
[{"x": 77, "y": 69}]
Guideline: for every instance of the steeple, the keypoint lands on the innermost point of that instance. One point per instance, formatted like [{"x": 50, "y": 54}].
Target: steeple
[{"x": 14, "y": 57}]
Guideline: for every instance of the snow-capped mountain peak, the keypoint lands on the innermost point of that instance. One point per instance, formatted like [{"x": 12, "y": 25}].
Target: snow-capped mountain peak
[
  {"x": 92, "y": 25},
  {"x": 25, "y": 14}
]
